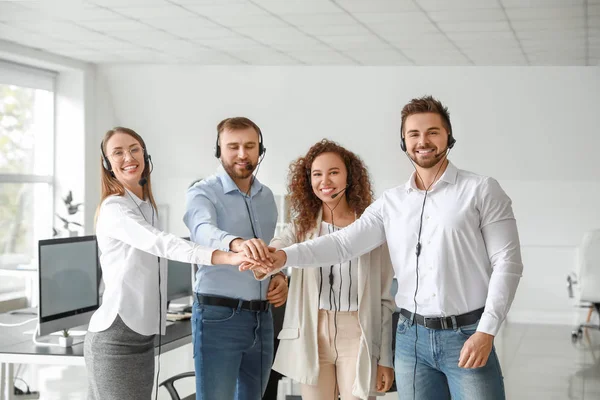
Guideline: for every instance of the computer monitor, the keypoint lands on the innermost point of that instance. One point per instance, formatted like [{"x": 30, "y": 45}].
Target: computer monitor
[
  {"x": 69, "y": 278},
  {"x": 179, "y": 280}
]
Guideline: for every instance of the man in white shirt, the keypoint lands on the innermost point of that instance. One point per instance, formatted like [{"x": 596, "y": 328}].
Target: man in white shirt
[{"x": 454, "y": 244}]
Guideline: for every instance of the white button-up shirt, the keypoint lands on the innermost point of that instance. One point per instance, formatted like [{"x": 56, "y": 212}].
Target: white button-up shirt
[
  {"x": 130, "y": 248},
  {"x": 470, "y": 252}
]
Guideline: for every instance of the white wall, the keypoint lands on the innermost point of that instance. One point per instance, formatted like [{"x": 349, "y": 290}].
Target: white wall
[
  {"x": 534, "y": 129},
  {"x": 101, "y": 117}
]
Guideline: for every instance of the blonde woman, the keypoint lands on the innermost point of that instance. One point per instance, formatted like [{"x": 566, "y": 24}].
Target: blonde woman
[{"x": 119, "y": 345}]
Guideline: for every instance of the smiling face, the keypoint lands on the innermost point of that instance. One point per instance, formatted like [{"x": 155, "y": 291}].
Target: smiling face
[
  {"x": 328, "y": 175},
  {"x": 426, "y": 139},
  {"x": 239, "y": 152},
  {"x": 126, "y": 157}
]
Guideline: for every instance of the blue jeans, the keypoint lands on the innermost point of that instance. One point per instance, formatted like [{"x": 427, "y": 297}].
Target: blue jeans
[
  {"x": 231, "y": 360},
  {"x": 438, "y": 376}
]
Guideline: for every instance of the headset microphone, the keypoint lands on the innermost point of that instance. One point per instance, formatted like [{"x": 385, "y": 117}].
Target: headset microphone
[
  {"x": 144, "y": 179},
  {"x": 443, "y": 153},
  {"x": 333, "y": 196},
  {"x": 249, "y": 167},
  {"x": 437, "y": 155}
]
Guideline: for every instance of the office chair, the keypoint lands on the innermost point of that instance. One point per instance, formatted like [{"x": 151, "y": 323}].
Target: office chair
[
  {"x": 588, "y": 279},
  {"x": 169, "y": 385}
]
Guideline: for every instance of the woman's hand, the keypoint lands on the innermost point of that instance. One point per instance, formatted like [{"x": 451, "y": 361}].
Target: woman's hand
[
  {"x": 232, "y": 258},
  {"x": 385, "y": 378}
]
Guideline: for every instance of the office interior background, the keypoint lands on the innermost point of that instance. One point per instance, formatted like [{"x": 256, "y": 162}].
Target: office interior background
[{"x": 521, "y": 79}]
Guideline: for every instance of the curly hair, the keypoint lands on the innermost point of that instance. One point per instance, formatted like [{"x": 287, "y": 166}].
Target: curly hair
[{"x": 305, "y": 205}]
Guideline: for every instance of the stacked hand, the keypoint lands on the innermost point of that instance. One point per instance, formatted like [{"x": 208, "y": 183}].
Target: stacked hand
[
  {"x": 255, "y": 249},
  {"x": 256, "y": 255},
  {"x": 277, "y": 259}
]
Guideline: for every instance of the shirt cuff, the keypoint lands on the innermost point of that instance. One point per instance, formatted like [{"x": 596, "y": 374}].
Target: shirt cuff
[
  {"x": 226, "y": 242},
  {"x": 291, "y": 256},
  {"x": 489, "y": 325},
  {"x": 203, "y": 254}
]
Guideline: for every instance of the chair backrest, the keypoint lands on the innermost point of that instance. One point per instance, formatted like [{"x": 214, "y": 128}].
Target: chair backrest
[{"x": 589, "y": 266}]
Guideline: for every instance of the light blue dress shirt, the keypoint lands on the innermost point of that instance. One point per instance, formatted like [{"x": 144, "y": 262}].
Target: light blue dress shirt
[{"x": 217, "y": 212}]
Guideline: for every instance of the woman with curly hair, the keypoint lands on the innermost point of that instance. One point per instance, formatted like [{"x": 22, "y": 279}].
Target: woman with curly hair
[{"x": 336, "y": 336}]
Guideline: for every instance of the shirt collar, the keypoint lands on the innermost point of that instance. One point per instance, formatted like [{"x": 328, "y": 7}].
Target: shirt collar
[
  {"x": 230, "y": 186},
  {"x": 449, "y": 176}
]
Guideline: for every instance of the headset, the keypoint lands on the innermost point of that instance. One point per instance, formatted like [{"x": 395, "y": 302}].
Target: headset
[
  {"x": 159, "y": 294},
  {"x": 261, "y": 148},
  {"x": 418, "y": 247},
  {"x": 108, "y": 166},
  {"x": 147, "y": 162},
  {"x": 335, "y": 304},
  {"x": 451, "y": 140},
  {"x": 261, "y": 155}
]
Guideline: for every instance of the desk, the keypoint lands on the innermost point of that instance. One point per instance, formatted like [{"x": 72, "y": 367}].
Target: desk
[{"x": 18, "y": 348}]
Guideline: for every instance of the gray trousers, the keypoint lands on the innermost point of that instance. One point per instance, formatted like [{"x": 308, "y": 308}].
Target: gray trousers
[{"x": 119, "y": 363}]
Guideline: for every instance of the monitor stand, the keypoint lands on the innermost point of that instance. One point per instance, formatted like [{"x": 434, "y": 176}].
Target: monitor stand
[{"x": 75, "y": 337}]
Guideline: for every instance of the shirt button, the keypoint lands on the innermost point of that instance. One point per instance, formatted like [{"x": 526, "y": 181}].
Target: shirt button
[
  {"x": 433, "y": 295},
  {"x": 427, "y": 217}
]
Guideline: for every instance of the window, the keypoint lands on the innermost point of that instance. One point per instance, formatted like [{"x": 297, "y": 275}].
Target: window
[{"x": 26, "y": 167}]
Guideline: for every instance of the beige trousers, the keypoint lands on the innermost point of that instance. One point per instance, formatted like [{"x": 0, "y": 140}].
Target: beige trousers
[{"x": 336, "y": 366}]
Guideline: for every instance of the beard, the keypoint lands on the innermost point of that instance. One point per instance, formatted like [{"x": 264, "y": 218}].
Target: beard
[
  {"x": 236, "y": 172},
  {"x": 427, "y": 163}
]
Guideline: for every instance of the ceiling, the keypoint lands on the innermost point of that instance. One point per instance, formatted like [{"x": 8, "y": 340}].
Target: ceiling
[{"x": 310, "y": 32}]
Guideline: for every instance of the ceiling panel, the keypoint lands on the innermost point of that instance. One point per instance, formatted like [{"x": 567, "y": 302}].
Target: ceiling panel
[
  {"x": 438, "y": 5},
  {"x": 297, "y": 6},
  {"x": 481, "y": 15},
  {"x": 304, "y": 32}
]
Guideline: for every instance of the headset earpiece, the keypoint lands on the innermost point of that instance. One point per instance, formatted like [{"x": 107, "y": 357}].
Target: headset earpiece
[
  {"x": 105, "y": 161},
  {"x": 261, "y": 148},
  {"x": 402, "y": 141},
  {"x": 451, "y": 140},
  {"x": 108, "y": 166}
]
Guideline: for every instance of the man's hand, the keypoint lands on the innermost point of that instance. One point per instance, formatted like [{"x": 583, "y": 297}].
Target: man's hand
[
  {"x": 278, "y": 259},
  {"x": 476, "y": 350},
  {"x": 385, "y": 378},
  {"x": 278, "y": 290},
  {"x": 252, "y": 248},
  {"x": 227, "y": 257}
]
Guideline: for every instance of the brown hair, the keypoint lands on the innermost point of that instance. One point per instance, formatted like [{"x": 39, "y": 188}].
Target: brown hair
[
  {"x": 110, "y": 184},
  {"x": 427, "y": 104},
  {"x": 237, "y": 123},
  {"x": 305, "y": 205}
]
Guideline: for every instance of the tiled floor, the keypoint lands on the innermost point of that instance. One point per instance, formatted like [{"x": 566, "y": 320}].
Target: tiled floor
[{"x": 539, "y": 362}]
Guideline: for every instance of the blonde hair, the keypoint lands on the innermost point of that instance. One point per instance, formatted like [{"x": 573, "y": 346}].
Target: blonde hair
[{"x": 111, "y": 185}]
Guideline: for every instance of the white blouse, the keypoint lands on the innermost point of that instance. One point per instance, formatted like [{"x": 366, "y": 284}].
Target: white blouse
[
  {"x": 130, "y": 246},
  {"x": 341, "y": 294}
]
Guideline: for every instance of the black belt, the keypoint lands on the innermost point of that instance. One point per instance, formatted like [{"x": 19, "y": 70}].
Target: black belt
[
  {"x": 250, "y": 305},
  {"x": 453, "y": 322}
]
